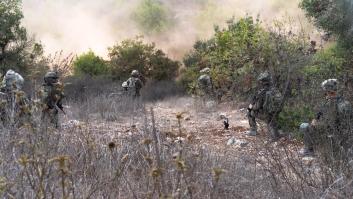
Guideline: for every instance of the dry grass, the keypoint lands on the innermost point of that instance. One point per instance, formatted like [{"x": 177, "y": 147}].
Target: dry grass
[{"x": 83, "y": 160}]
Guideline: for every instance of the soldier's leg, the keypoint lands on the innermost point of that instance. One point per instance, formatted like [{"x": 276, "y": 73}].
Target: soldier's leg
[
  {"x": 272, "y": 127},
  {"x": 308, "y": 139},
  {"x": 54, "y": 117},
  {"x": 252, "y": 123}
]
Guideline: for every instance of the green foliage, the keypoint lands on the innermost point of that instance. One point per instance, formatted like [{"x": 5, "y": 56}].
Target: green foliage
[
  {"x": 13, "y": 35},
  {"x": 292, "y": 116},
  {"x": 238, "y": 53},
  {"x": 90, "y": 64},
  {"x": 135, "y": 55},
  {"x": 152, "y": 16},
  {"x": 17, "y": 51},
  {"x": 325, "y": 64},
  {"x": 335, "y": 17}
]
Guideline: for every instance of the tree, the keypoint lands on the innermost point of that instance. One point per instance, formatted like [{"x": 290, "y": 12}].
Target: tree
[
  {"x": 135, "y": 55},
  {"x": 334, "y": 17},
  {"x": 17, "y": 51},
  {"x": 90, "y": 64}
]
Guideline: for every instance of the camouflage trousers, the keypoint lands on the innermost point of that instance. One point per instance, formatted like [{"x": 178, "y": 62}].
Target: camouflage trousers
[
  {"x": 18, "y": 119},
  {"x": 50, "y": 117},
  {"x": 270, "y": 120},
  {"x": 326, "y": 141}
]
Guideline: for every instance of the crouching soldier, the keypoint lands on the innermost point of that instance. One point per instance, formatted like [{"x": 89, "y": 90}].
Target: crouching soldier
[
  {"x": 14, "y": 107},
  {"x": 205, "y": 84},
  {"x": 265, "y": 105},
  {"x": 331, "y": 130},
  {"x": 52, "y": 94},
  {"x": 133, "y": 85}
]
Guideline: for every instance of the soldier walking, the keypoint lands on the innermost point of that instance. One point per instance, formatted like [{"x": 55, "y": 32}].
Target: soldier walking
[
  {"x": 331, "y": 130},
  {"x": 133, "y": 85},
  {"x": 14, "y": 106},
  {"x": 52, "y": 94},
  {"x": 205, "y": 83},
  {"x": 265, "y": 105}
]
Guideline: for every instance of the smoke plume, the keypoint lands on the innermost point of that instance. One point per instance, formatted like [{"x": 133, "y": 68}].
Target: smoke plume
[{"x": 76, "y": 26}]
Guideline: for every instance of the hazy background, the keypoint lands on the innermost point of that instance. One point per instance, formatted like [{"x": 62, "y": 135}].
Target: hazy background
[{"x": 78, "y": 25}]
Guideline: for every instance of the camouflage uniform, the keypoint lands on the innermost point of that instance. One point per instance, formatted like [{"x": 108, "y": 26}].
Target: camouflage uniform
[
  {"x": 261, "y": 108},
  {"x": 51, "y": 98},
  {"x": 332, "y": 127},
  {"x": 14, "y": 106},
  {"x": 134, "y": 84},
  {"x": 205, "y": 83}
]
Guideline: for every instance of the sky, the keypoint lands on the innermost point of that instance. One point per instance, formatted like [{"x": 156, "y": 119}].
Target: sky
[{"x": 75, "y": 26}]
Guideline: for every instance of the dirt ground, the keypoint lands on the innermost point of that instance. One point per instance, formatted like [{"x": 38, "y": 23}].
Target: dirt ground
[{"x": 199, "y": 124}]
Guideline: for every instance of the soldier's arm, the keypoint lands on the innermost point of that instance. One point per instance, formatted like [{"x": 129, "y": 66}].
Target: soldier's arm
[{"x": 345, "y": 114}]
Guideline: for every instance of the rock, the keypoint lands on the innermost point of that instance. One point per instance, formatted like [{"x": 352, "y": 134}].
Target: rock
[
  {"x": 308, "y": 159},
  {"x": 71, "y": 124},
  {"x": 187, "y": 118},
  {"x": 234, "y": 141},
  {"x": 210, "y": 104},
  {"x": 222, "y": 116},
  {"x": 231, "y": 141},
  {"x": 179, "y": 140},
  {"x": 242, "y": 143}
]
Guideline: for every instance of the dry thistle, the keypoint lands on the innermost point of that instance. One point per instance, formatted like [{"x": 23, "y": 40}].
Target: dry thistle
[
  {"x": 180, "y": 164},
  {"x": 23, "y": 160},
  {"x": 125, "y": 158},
  {"x": 156, "y": 172},
  {"x": 217, "y": 172},
  {"x": 62, "y": 159},
  {"x": 111, "y": 146},
  {"x": 179, "y": 115},
  {"x": 146, "y": 142},
  {"x": 148, "y": 159}
]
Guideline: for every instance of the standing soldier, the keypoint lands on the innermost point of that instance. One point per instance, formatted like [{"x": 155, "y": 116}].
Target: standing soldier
[
  {"x": 205, "y": 83},
  {"x": 265, "y": 105},
  {"x": 134, "y": 84},
  {"x": 14, "y": 107},
  {"x": 332, "y": 127},
  {"x": 52, "y": 94}
]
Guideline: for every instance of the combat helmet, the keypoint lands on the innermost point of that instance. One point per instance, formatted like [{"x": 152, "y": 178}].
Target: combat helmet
[
  {"x": 329, "y": 85},
  {"x": 51, "y": 77},
  {"x": 265, "y": 78},
  {"x": 135, "y": 73},
  {"x": 13, "y": 80},
  {"x": 205, "y": 71}
]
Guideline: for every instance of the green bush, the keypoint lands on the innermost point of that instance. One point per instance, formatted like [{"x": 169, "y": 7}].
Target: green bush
[
  {"x": 90, "y": 64},
  {"x": 133, "y": 54},
  {"x": 239, "y": 52},
  {"x": 292, "y": 116}
]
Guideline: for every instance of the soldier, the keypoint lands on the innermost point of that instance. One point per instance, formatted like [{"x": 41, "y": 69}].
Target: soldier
[
  {"x": 332, "y": 125},
  {"x": 265, "y": 105},
  {"x": 15, "y": 107},
  {"x": 205, "y": 83},
  {"x": 52, "y": 94},
  {"x": 134, "y": 84}
]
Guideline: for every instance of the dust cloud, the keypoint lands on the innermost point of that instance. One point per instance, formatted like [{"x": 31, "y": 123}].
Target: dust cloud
[{"x": 75, "y": 26}]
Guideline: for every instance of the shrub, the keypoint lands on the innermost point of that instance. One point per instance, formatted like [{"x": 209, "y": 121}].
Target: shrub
[
  {"x": 292, "y": 116},
  {"x": 133, "y": 54},
  {"x": 238, "y": 53},
  {"x": 90, "y": 64}
]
